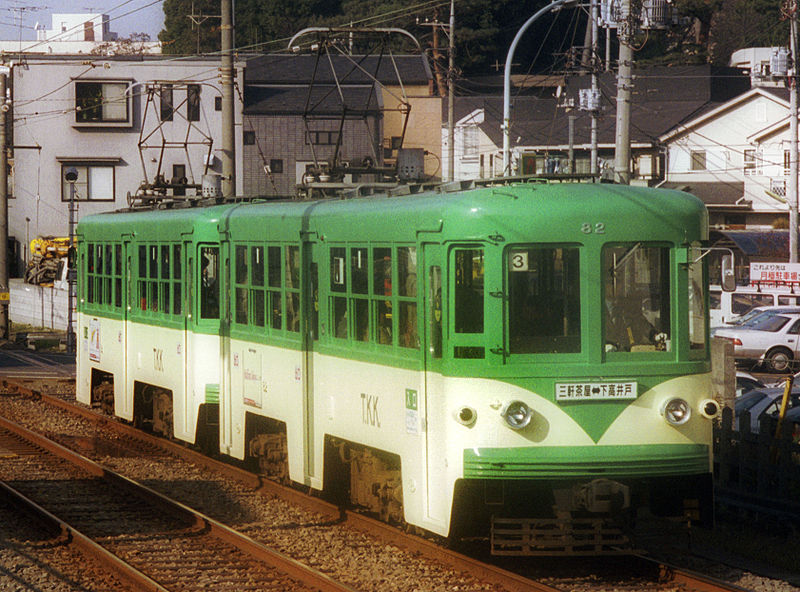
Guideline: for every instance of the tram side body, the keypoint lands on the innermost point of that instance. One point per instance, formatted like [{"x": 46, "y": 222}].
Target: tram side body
[{"x": 423, "y": 430}]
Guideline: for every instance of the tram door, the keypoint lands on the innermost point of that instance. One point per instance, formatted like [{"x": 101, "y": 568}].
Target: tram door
[
  {"x": 310, "y": 335},
  {"x": 433, "y": 321},
  {"x": 124, "y": 260},
  {"x": 186, "y": 270}
]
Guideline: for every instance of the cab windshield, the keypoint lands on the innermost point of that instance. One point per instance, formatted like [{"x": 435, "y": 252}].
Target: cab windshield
[
  {"x": 636, "y": 286},
  {"x": 544, "y": 299}
]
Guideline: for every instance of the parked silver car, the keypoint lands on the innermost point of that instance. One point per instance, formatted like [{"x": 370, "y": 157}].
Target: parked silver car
[{"x": 771, "y": 340}]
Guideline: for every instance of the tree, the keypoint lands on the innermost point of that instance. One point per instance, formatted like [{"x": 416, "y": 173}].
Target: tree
[
  {"x": 746, "y": 23},
  {"x": 186, "y": 32}
]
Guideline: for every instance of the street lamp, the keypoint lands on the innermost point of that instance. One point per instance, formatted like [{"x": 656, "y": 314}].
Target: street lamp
[
  {"x": 70, "y": 176},
  {"x": 506, "y": 126}
]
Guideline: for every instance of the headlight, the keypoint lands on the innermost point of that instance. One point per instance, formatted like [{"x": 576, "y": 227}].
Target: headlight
[
  {"x": 466, "y": 416},
  {"x": 677, "y": 412},
  {"x": 709, "y": 408},
  {"x": 517, "y": 415}
]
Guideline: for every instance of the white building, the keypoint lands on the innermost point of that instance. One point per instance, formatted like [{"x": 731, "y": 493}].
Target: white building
[
  {"x": 119, "y": 122},
  {"x": 743, "y": 146},
  {"x": 78, "y": 33}
]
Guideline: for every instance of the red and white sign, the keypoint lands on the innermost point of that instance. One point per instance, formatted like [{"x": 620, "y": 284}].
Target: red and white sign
[{"x": 780, "y": 273}]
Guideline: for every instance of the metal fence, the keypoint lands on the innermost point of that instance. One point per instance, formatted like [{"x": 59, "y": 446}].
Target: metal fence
[{"x": 758, "y": 466}]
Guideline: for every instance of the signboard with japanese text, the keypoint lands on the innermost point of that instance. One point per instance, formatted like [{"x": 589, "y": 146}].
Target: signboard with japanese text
[{"x": 777, "y": 273}]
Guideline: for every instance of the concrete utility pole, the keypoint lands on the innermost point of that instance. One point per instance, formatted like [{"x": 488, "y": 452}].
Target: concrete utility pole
[
  {"x": 594, "y": 15},
  {"x": 451, "y": 74},
  {"x": 622, "y": 154},
  {"x": 5, "y": 297},
  {"x": 792, "y": 189},
  {"x": 228, "y": 156}
]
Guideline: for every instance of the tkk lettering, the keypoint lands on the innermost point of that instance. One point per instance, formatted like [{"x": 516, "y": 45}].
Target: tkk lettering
[{"x": 369, "y": 410}]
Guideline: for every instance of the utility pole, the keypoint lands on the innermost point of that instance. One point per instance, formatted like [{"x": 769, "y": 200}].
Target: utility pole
[
  {"x": 594, "y": 15},
  {"x": 792, "y": 189},
  {"x": 4, "y": 291},
  {"x": 622, "y": 154},
  {"x": 227, "y": 81},
  {"x": 451, "y": 74}
]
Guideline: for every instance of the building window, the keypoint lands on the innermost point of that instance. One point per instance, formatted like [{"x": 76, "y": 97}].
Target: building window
[
  {"x": 94, "y": 183},
  {"x": 101, "y": 102},
  {"x": 322, "y": 137},
  {"x": 698, "y": 160},
  {"x": 470, "y": 141},
  {"x": 167, "y": 106},
  {"x": 217, "y": 103},
  {"x": 787, "y": 161},
  {"x": 193, "y": 102},
  {"x": 749, "y": 161},
  {"x": 249, "y": 138},
  {"x": 276, "y": 165}
]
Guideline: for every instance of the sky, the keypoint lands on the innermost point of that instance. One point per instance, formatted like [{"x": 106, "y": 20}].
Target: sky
[{"x": 127, "y": 16}]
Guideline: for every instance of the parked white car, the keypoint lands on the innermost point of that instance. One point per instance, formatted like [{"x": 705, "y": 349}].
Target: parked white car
[
  {"x": 726, "y": 307},
  {"x": 772, "y": 341}
]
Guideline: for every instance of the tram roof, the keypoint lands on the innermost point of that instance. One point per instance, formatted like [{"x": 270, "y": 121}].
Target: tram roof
[{"x": 465, "y": 215}]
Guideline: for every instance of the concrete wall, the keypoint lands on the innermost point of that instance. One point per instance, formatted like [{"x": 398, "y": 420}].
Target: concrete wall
[{"x": 39, "y": 306}]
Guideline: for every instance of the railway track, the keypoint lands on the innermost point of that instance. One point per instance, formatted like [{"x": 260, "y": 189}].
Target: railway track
[
  {"x": 661, "y": 576},
  {"x": 149, "y": 540}
]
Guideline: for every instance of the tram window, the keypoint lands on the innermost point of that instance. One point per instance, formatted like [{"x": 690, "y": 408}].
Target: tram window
[
  {"x": 293, "y": 267},
  {"x": 209, "y": 288},
  {"x": 382, "y": 288},
  {"x": 407, "y": 271},
  {"x": 241, "y": 264},
  {"x": 153, "y": 262},
  {"x": 293, "y": 312},
  {"x": 89, "y": 272},
  {"x": 435, "y": 311},
  {"x": 241, "y": 305},
  {"x": 257, "y": 296},
  {"x": 697, "y": 303},
  {"x": 340, "y": 317},
  {"x": 176, "y": 298},
  {"x": 165, "y": 262},
  {"x": 118, "y": 274},
  {"x": 165, "y": 297},
  {"x": 154, "y": 296},
  {"x": 257, "y": 265},
  {"x": 469, "y": 291},
  {"x": 176, "y": 262},
  {"x": 407, "y": 288},
  {"x": 274, "y": 267},
  {"x": 544, "y": 303},
  {"x": 637, "y": 288},
  {"x": 98, "y": 281},
  {"x": 338, "y": 270},
  {"x": 293, "y": 289},
  {"x": 408, "y": 325},
  {"x": 276, "y": 309},
  {"x": 109, "y": 260},
  {"x": 359, "y": 270},
  {"x": 382, "y": 271},
  {"x": 384, "y": 321},
  {"x": 361, "y": 307}
]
